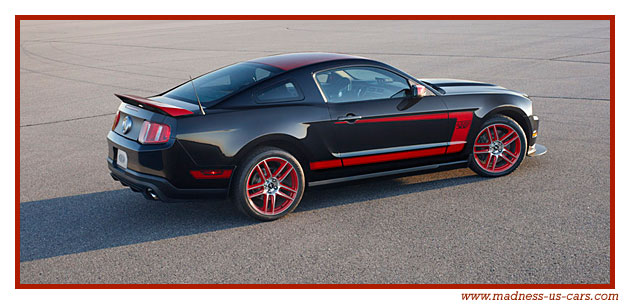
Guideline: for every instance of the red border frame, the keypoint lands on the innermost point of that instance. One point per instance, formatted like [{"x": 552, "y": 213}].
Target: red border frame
[{"x": 610, "y": 18}]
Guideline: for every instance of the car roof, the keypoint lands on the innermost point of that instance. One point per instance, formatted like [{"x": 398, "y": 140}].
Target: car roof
[{"x": 297, "y": 60}]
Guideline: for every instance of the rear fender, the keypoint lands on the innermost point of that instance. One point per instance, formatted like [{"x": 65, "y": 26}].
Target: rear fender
[{"x": 281, "y": 141}]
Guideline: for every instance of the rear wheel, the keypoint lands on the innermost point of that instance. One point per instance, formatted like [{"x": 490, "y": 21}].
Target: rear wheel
[
  {"x": 499, "y": 147},
  {"x": 269, "y": 184}
]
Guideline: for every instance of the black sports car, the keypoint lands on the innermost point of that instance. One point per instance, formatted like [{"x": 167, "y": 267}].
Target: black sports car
[{"x": 262, "y": 130}]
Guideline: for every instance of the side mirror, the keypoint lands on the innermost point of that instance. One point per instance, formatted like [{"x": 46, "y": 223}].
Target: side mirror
[{"x": 418, "y": 91}]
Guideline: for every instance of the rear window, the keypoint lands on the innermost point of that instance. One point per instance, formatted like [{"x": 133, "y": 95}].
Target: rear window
[{"x": 222, "y": 82}]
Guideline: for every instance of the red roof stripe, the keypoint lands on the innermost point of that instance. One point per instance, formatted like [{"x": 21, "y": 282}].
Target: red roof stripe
[{"x": 292, "y": 61}]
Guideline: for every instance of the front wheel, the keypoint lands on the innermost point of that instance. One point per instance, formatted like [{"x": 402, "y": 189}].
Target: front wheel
[
  {"x": 499, "y": 147},
  {"x": 268, "y": 185}
]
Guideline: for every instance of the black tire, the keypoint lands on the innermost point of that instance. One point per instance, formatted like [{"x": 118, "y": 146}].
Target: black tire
[
  {"x": 501, "y": 162},
  {"x": 269, "y": 161}
]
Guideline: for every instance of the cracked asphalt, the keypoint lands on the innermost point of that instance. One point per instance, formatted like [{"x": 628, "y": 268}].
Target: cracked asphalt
[{"x": 548, "y": 222}]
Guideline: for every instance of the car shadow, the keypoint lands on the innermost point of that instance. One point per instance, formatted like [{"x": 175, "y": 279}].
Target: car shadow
[{"x": 80, "y": 223}]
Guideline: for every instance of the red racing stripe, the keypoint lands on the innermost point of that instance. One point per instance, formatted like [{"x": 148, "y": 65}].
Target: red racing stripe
[
  {"x": 326, "y": 164},
  {"x": 460, "y": 134}
]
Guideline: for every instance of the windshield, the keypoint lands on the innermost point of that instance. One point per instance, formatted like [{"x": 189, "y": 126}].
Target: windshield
[{"x": 222, "y": 82}]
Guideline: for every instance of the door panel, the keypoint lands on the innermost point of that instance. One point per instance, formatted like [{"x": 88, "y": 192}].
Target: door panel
[
  {"x": 374, "y": 112},
  {"x": 404, "y": 123}
]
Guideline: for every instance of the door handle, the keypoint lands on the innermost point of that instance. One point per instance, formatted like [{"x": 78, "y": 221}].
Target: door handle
[{"x": 350, "y": 118}]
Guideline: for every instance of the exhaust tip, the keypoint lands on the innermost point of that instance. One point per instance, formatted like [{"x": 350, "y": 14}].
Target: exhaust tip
[{"x": 152, "y": 194}]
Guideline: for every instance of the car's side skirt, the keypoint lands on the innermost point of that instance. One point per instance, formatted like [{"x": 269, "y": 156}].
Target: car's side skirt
[
  {"x": 385, "y": 173},
  {"x": 391, "y": 150}
]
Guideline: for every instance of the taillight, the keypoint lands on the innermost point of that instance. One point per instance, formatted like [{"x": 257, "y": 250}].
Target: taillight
[
  {"x": 116, "y": 119},
  {"x": 154, "y": 133}
]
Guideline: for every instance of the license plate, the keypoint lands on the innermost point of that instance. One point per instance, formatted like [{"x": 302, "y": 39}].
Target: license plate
[{"x": 121, "y": 159}]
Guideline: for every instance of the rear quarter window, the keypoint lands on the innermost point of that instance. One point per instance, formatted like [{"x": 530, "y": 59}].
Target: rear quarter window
[{"x": 280, "y": 92}]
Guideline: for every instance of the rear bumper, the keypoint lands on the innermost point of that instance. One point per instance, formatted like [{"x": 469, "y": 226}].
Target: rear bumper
[{"x": 163, "y": 189}]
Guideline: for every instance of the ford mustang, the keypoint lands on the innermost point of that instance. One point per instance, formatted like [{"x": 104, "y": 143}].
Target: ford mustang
[{"x": 263, "y": 130}]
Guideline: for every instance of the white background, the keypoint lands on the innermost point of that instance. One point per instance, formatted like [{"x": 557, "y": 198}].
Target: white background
[{"x": 250, "y": 7}]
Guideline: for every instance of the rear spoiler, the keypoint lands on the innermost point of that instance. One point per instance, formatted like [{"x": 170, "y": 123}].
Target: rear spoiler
[{"x": 155, "y": 106}]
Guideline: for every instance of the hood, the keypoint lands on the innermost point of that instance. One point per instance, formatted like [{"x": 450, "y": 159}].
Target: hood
[{"x": 460, "y": 87}]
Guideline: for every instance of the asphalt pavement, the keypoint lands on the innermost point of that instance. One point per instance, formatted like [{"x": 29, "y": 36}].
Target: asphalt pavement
[{"x": 547, "y": 222}]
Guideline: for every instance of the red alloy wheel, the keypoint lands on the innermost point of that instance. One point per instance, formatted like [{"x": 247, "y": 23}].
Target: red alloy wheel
[
  {"x": 272, "y": 186},
  {"x": 497, "y": 148}
]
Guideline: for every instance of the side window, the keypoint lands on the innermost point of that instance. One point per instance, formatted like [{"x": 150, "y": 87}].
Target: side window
[
  {"x": 360, "y": 83},
  {"x": 286, "y": 91},
  {"x": 260, "y": 74}
]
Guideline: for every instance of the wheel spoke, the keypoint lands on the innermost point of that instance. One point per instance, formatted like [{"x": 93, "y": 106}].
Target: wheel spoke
[
  {"x": 490, "y": 140},
  {"x": 267, "y": 168},
  {"x": 280, "y": 169},
  {"x": 481, "y": 149},
  {"x": 281, "y": 178},
  {"x": 284, "y": 195},
  {"x": 272, "y": 202},
  {"x": 252, "y": 187},
  {"x": 507, "y": 142},
  {"x": 266, "y": 202},
  {"x": 506, "y": 159},
  {"x": 510, "y": 153},
  {"x": 496, "y": 133},
  {"x": 487, "y": 164},
  {"x": 256, "y": 194},
  {"x": 262, "y": 176},
  {"x": 507, "y": 135},
  {"x": 494, "y": 164},
  {"x": 283, "y": 186},
  {"x": 491, "y": 162},
  {"x": 269, "y": 202}
]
